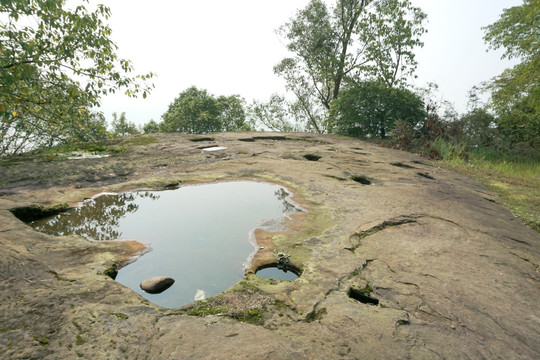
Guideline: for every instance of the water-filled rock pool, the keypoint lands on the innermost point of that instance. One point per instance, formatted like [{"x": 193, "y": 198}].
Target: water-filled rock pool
[{"x": 200, "y": 235}]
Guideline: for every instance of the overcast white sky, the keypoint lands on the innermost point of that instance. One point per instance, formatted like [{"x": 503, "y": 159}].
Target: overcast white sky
[{"x": 230, "y": 47}]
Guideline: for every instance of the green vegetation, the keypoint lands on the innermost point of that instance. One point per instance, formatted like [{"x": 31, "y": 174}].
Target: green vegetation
[
  {"x": 134, "y": 140},
  {"x": 252, "y": 316},
  {"x": 55, "y": 64},
  {"x": 515, "y": 94},
  {"x": 196, "y": 111},
  {"x": 204, "y": 308},
  {"x": 106, "y": 147},
  {"x": 371, "y": 109},
  {"x": 497, "y": 143},
  {"x": 367, "y": 290},
  {"x": 515, "y": 179},
  {"x": 111, "y": 272},
  {"x": 316, "y": 315},
  {"x": 342, "y": 47},
  {"x": 122, "y": 127},
  {"x": 349, "y": 70},
  {"x": 80, "y": 340},
  {"x": 42, "y": 340},
  {"x": 58, "y": 277}
]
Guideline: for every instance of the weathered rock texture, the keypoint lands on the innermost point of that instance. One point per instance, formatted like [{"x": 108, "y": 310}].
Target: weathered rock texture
[{"x": 455, "y": 274}]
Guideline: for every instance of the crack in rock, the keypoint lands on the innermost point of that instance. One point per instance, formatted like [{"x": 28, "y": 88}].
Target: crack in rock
[
  {"x": 316, "y": 314},
  {"x": 536, "y": 266},
  {"x": 400, "y": 220}
]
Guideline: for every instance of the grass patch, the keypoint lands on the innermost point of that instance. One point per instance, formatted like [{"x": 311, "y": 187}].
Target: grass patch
[
  {"x": 137, "y": 140},
  {"x": 42, "y": 340},
  {"x": 106, "y": 147},
  {"x": 316, "y": 315},
  {"x": 253, "y": 316},
  {"x": 80, "y": 341},
  {"x": 515, "y": 180},
  {"x": 203, "y": 308}
]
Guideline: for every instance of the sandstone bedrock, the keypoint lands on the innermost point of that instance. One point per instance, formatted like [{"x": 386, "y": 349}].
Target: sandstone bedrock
[{"x": 450, "y": 272}]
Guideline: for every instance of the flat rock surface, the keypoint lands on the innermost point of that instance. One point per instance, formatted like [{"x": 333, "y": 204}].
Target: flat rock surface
[{"x": 454, "y": 273}]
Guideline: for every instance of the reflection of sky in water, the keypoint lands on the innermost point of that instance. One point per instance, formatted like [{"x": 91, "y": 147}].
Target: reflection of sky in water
[{"x": 199, "y": 234}]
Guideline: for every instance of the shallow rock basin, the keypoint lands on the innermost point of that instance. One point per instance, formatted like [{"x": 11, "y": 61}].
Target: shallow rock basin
[
  {"x": 200, "y": 235},
  {"x": 274, "y": 272}
]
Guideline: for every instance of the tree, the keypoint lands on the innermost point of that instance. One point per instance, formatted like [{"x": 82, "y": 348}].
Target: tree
[
  {"x": 55, "y": 64},
  {"x": 274, "y": 115},
  {"x": 355, "y": 41},
  {"x": 371, "y": 108},
  {"x": 478, "y": 128},
  {"x": 391, "y": 34},
  {"x": 515, "y": 94},
  {"x": 122, "y": 127},
  {"x": 21, "y": 134},
  {"x": 196, "y": 111},
  {"x": 151, "y": 127},
  {"x": 232, "y": 113}
]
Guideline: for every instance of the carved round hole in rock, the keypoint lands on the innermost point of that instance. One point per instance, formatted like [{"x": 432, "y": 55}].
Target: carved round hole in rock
[
  {"x": 272, "y": 271},
  {"x": 361, "y": 179},
  {"x": 312, "y": 157}
]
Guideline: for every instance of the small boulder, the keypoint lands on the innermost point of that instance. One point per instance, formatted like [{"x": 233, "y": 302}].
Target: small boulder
[{"x": 157, "y": 284}]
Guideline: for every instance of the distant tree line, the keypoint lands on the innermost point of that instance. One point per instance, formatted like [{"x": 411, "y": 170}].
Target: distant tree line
[
  {"x": 348, "y": 73},
  {"x": 509, "y": 122},
  {"x": 350, "y": 69},
  {"x": 195, "y": 111}
]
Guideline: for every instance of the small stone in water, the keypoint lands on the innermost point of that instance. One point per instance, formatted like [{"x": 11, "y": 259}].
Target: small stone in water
[
  {"x": 157, "y": 284},
  {"x": 200, "y": 295}
]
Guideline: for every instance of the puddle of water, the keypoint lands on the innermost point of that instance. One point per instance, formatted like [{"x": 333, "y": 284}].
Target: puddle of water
[
  {"x": 200, "y": 235},
  {"x": 215, "y": 148},
  {"x": 277, "y": 274},
  {"x": 77, "y": 156}
]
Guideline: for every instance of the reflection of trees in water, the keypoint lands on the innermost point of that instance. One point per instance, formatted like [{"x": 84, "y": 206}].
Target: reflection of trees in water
[
  {"x": 283, "y": 196},
  {"x": 97, "y": 219}
]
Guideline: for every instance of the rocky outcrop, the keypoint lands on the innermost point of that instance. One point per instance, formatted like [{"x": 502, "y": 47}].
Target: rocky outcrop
[{"x": 423, "y": 263}]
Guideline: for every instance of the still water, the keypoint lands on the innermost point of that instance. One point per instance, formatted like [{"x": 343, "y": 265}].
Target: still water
[
  {"x": 273, "y": 272},
  {"x": 200, "y": 235}
]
